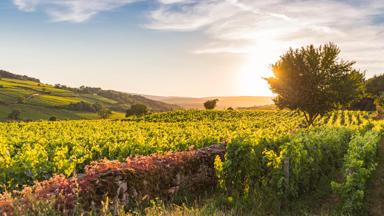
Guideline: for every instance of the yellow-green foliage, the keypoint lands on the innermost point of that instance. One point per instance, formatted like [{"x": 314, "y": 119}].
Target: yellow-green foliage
[
  {"x": 359, "y": 164},
  {"x": 37, "y": 150},
  {"x": 286, "y": 167},
  {"x": 260, "y": 145},
  {"x": 218, "y": 164}
]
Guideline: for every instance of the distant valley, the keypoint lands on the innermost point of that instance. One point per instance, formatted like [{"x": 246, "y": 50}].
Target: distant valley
[
  {"x": 34, "y": 100},
  {"x": 224, "y": 102}
]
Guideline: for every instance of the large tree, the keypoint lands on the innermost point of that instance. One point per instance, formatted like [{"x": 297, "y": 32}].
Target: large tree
[{"x": 314, "y": 81}]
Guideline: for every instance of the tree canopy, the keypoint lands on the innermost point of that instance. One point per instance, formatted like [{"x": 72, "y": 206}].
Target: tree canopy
[
  {"x": 210, "y": 104},
  {"x": 104, "y": 113},
  {"x": 314, "y": 80},
  {"x": 375, "y": 85},
  {"x": 137, "y": 109}
]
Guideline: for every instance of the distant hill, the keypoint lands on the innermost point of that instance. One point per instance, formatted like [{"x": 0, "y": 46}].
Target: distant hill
[
  {"x": 6, "y": 74},
  {"x": 224, "y": 102},
  {"x": 36, "y": 100}
]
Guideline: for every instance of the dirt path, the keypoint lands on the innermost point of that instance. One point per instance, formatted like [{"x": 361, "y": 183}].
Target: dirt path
[
  {"x": 375, "y": 192},
  {"x": 31, "y": 96}
]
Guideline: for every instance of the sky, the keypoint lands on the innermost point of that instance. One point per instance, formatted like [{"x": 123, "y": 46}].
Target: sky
[{"x": 190, "y": 48}]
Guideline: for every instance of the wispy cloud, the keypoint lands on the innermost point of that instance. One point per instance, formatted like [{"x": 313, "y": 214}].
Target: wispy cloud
[
  {"x": 26, "y": 5},
  {"x": 245, "y": 26},
  {"x": 71, "y": 10}
]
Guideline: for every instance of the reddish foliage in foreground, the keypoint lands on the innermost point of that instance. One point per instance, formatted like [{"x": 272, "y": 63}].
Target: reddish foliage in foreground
[{"x": 136, "y": 180}]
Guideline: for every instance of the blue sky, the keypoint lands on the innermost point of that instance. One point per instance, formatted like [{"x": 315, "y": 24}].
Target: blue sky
[{"x": 180, "y": 47}]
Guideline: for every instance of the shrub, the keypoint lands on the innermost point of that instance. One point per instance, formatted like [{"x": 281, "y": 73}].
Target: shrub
[
  {"x": 104, "y": 113},
  {"x": 210, "y": 104},
  {"x": 137, "y": 109},
  {"x": 83, "y": 106},
  {"x": 375, "y": 85},
  {"x": 14, "y": 115},
  {"x": 52, "y": 118},
  {"x": 365, "y": 103}
]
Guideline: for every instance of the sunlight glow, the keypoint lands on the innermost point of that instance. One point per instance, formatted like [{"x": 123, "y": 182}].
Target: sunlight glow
[{"x": 258, "y": 66}]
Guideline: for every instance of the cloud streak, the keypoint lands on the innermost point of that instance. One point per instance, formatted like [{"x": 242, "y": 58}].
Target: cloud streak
[
  {"x": 245, "y": 26},
  {"x": 71, "y": 10}
]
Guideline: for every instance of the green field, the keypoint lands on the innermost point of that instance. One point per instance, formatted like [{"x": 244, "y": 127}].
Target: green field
[{"x": 38, "y": 101}]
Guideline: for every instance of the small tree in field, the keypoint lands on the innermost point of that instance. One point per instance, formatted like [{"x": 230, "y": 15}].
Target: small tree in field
[
  {"x": 14, "y": 115},
  {"x": 314, "y": 81},
  {"x": 104, "y": 113},
  {"x": 210, "y": 104},
  {"x": 137, "y": 109}
]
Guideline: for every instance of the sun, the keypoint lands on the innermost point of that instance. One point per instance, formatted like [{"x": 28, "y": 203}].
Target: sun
[{"x": 256, "y": 67}]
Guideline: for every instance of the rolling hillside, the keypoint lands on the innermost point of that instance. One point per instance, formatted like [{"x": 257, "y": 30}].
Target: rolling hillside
[
  {"x": 224, "y": 102},
  {"x": 36, "y": 100}
]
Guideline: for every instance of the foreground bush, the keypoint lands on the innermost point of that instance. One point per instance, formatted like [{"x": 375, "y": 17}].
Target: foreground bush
[
  {"x": 279, "y": 171},
  {"x": 132, "y": 183},
  {"x": 359, "y": 165},
  {"x": 282, "y": 169}
]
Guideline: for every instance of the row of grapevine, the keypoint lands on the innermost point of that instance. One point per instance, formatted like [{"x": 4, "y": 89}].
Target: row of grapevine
[
  {"x": 284, "y": 168},
  {"x": 38, "y": 150},
  {"x": 269, "y": 155},
  {"x": 345, "y": 118},
  {"x": 215, "y": 115},
  {"x": 359, "y": 164}
]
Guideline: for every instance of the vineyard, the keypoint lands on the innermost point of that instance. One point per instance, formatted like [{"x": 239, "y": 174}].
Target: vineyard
[
  {"x": 39, "y": 150},
  {"x": 269, "y": 154}
]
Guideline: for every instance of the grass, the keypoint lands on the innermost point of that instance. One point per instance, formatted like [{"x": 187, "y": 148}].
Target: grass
[
  {"x": 30, "y": 112},
  {"x": 220, "y": 204},
  {"x": 90, "y": 98},
  {"x": 52, "y": 100},
  {"x": 207, "y": 204},
  {"x": 38, "y": 101}
]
